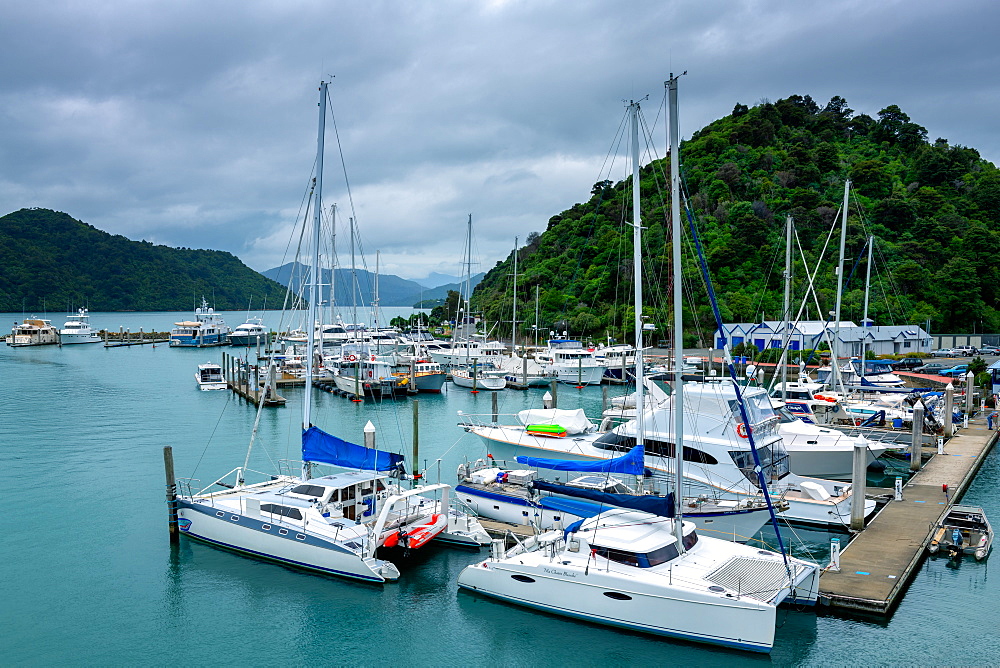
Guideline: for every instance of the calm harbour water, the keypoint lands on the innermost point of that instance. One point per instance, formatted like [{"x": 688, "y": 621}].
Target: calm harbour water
[{"x": 92, "y": 579}]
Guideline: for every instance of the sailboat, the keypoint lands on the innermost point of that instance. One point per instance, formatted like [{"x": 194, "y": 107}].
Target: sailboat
[
  {"x": 643, "y": 571},
  {"x": 333, "y": 523}
]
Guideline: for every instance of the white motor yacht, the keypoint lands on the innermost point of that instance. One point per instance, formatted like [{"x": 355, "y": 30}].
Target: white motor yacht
[
  {"x": 570, "y": 362},
  {"x": 78, "y": 330},
  {"x": 33, "y": 332},
  {"x": 209, "y": 377}
]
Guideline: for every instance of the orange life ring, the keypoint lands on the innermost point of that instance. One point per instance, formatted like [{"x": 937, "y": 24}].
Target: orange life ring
[
  {"x": 819, "y": 397},
  {"x": 742, "y": 431},
  {"x": 352, "y": 358}
]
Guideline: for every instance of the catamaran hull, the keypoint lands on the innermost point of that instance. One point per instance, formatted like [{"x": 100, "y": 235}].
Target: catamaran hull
[
  {"x": 273, "y": 542},
  {"x": 591, "y": 595},
  {"x": 736, "y": 525}
]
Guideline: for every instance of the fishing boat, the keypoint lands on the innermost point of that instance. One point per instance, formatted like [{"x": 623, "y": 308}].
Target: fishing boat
[
  {"x": 207, "y": 329},
  {"x": 359, "y": 372},
  {"x": 78, "y": 329},
  {"x": 963, "y": 531},
  {"x": 33, "y": 332},
  {"x": 426, "y": 376},
  {"x": 332, "y": 523}
]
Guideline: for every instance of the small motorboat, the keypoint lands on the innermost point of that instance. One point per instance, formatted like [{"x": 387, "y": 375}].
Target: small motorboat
[
  {"x": 964, "y": 530},
  {"x": 412, "y": 537},
  {"x": 210, "y": 377}
]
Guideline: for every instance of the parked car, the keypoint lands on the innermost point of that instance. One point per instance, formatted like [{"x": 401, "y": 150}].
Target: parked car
[
  {"x": 944, "y": 352},
  {"x": 930, "y": 367},
  {"x": 955, "y": 372},
  {"x": 989, "y": 350},
  {"x": 907, "y": 364},
  {"x": 964, "y": 351}
]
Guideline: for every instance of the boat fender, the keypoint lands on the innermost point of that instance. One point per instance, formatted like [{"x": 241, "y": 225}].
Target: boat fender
[{"x": 502, "y": 476}]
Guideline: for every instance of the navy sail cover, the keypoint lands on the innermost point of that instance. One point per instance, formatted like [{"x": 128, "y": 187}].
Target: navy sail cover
[
  {"x": 320, "y": 447},
  {"x": 647, "y": 503},
  {"x": 631, "y": 463}
]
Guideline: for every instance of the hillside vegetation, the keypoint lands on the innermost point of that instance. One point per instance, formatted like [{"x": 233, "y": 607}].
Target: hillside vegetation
[
  {"x": 49, "y": 261},
  {"x": 933, "y": 208}
]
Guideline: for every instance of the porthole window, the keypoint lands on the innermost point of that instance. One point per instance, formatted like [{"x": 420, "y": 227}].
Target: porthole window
[
  {"x": 266, "y": 527},
  {"x": 283, "y": 532},
  {"x": 220, "y": 514},
  {"x": 522, "y": 578},
  {"x": 234, "y": 518},
  {"x": 300, "y": 536},
  {"x": 618, "y": 596}
]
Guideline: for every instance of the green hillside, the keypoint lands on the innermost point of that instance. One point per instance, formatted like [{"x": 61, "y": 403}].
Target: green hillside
[
  {"x": 50, "y": 261},
  {"x": 933, "y": 208}
]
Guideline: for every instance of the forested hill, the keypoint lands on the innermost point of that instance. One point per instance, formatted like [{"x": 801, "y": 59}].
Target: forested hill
[
  {"x": 49, "y": 261},
  {"x": 933, "y": 208}
]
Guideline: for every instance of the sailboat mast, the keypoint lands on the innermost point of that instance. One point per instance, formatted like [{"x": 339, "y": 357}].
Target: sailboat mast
[
  {"x": 834, "y": 364},
  {"x": 313, "y": 289},
  {"x": 864, "y": 319},
  {"x": 513, "y": 317},
  {"x": 637, "y": 275},
  {"x": 678, "y": 400},
  {"x": 787, "y": 306}
]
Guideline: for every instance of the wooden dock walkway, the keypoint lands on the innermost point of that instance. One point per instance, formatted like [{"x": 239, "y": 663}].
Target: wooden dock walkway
[{"x": 878, "y": 564}]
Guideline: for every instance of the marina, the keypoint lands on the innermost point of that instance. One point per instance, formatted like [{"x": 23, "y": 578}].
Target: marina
[{"x": 140, "y": 618}]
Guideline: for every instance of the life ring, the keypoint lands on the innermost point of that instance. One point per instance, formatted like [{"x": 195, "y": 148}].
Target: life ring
[
  {"x": 352, "y": 358},
  {"x": 742, "y": 431},
  {"x": 370, "y": 373},
  {"x": 857, "y": 422}
]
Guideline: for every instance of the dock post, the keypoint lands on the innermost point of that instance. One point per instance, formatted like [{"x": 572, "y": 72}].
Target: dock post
[
  {"x": 917, "y": 437},
  {"x": 834, "y": 566},
  {"x": 858, "y": 485},
  {"x": 555, "y": 393},
  {"x": 168, "y": 466},
  {"x": 524, "y": 369},
  {"x": 898, "y": 490},
  {"x": 370, "y": 435},
  {"x": 970, "y": 386},
  {"x": 416, "y": 439},
  {"x": 604, "y": 398},
  {"x": 949, "y": 409},
  {"x": 475, "y": 376},
  {"x": 495, "y": 410}
]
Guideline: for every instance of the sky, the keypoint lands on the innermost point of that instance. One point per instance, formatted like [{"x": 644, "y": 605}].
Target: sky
[{"x": 194, "y": 123}]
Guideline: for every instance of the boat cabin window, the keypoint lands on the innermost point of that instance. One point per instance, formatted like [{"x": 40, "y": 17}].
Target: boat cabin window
[
  {"x": 660, "y": 555},
  {"x": 284, "y": 511},
  {"x": 366, "y": 490},
  {"x": 348, "y": 493},
  {"x": 379, "y": 486},
  {"x": 615, "y": 441},
  {"x": 773, "y": 461}
]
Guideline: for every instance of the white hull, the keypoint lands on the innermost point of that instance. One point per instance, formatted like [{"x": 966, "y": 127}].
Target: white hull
[
  {"x": 481, "y": 382},
  {"x": 505, "y": 443},
  {"x": 738, "y": 526},
  {"x": 586, "y": 375},
  {"x": 245, "y": 534},
  {"x": 79, "y": 338}
]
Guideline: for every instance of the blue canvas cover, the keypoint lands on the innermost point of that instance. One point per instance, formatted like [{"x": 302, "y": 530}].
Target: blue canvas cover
[
  {"x": 319, "y": 446},
  {"x": 631, "y": 463},
  {"x": 647, "y": 503}
]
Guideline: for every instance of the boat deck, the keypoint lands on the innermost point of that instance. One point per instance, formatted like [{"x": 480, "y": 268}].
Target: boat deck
[{"x": 877, "y": 565}]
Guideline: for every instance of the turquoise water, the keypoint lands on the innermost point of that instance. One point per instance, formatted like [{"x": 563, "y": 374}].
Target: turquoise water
[{"x": 91, "y": 578}]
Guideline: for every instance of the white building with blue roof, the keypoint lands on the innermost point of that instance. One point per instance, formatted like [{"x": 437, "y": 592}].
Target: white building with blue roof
[{"x": 805, "y": 335}]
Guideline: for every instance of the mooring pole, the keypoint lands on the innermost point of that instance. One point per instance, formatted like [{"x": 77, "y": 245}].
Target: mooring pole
[
  {"x": 416, "y": 439},
  {"x": 168, "y": 466},
  {"x": 858, "y": 485},
  {"x": 495, "y": 409},
  {"x": 917, "y": 437},
  {"x": 949, "y": 409},
  {"x": 555, "y": 393}
]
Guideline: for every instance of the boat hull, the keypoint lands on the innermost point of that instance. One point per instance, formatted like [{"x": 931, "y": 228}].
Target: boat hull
[
  {"x": 583, "y": 594},
  {"x": 247, "y": 535}
]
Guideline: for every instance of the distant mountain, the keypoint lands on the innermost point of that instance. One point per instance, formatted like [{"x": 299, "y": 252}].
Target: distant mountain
[
  {"x": 393, "y": 290},
  {"x": 434, "y": 280},
  {"x": 50, "y": 261}
]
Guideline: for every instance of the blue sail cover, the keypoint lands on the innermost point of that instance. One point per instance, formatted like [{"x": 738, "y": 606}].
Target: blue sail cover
[
  {"x": 319, "y": 446},
  {"x": 647, "y": 503},
  {"x": 632, "y": 463}
]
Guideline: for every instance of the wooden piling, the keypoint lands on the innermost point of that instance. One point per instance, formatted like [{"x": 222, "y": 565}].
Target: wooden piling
[
  {"x": 555, "y": 393},
  {"x": 168, "y": 466},
  {"x": 495, "y": 409}
]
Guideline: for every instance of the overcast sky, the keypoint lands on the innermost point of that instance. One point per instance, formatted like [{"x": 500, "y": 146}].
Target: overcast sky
[{"x": 193, "y": 123}]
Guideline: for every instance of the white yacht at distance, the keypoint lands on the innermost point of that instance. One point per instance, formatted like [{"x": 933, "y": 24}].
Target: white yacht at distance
[
  {"x": 624, "y": 568},
  {"x": 250, "y": 333},
  {"x": 209, "y": 377},
  {"x": 718, "y": 460},
  {"x": 78, "y": 330},
  {"x": 33, "y": 332},
  {"x": 207, "y": 329},
  {"x": 571, "y": 363}
]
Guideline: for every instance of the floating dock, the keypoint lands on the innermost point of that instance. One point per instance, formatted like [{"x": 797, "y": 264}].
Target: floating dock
[
  {"x": 878, "y": 564},
  {"x": 124, "y": 338}
]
